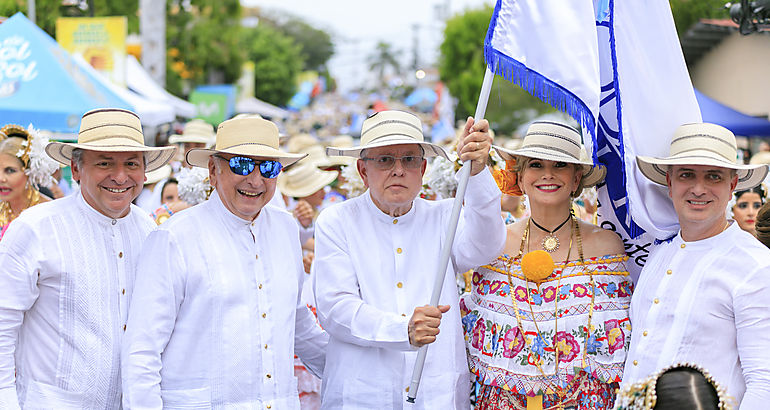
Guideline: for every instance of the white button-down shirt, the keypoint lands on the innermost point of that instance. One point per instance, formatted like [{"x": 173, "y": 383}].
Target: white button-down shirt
[
  {"x": 370, "y": 272},
  {"x": 216, "y": 318},
  {"x": 66, "y": 276},
  {"x": 706, "y": 302}
]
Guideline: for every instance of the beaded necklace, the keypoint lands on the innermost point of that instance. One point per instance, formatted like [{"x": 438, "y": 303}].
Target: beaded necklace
[{"x": 559, "y": 390}]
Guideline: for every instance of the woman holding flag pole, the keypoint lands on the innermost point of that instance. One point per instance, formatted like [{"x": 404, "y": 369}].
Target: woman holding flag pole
[{"x": 546, "y": 323}]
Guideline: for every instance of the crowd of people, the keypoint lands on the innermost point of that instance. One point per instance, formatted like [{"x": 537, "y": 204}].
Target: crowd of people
[{"x": 244, "y": 268}]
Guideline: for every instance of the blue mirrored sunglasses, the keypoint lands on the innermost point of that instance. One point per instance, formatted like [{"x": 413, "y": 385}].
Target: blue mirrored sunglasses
[{"x": 245, "y": 166}]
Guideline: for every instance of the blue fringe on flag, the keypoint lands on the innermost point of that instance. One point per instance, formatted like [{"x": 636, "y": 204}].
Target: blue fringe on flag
[{"x": 535, "y": 83}]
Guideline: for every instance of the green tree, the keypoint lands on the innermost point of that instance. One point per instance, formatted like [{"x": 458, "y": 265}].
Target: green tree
[
  {"x": 277, "y": 62},
  {"x": 202, "y": 38},
  {"x": 461, "y": 68},
  {"x": 47, "y": 11},
  {"x": 688, "y": 12},
  {"x": 383, "y": 57},
  {"x": 316, "y": 45}
]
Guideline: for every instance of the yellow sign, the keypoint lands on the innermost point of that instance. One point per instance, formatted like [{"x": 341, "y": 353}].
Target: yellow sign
[{"x": 100, "y": 41}]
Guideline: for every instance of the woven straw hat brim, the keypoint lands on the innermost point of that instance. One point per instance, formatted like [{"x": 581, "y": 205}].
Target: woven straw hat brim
[
  {"x": 654, "y": 169},
  {"x": 431, "y": 150},
  {"x": 341, "y": 161},
  {"x": 156, "y": 156},
  {"x": 199, "y": 157},
  {"x": 158, "y": 175},
  {"x": 307, "y": 186},
  {"x": 592, "y": 174}
]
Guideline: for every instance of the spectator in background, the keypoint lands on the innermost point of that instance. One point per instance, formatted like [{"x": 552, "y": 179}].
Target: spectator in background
[{"x": 24, "y": 168}]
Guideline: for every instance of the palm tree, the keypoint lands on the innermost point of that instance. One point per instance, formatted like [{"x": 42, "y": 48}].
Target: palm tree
[{"x": 382, "y": 58}]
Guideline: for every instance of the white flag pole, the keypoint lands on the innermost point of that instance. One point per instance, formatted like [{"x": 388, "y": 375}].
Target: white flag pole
[{"x": 465, "y": 173}]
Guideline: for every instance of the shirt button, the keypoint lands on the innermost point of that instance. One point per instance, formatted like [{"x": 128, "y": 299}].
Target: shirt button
[
  {"x": 123, "y": 291},
  {"x": 260, "y": 286},
  {"x": 268, "y": 375},
  {"x": 256, "y": 257},
  {"x": 267, "y": 406},
  {"x": 265, "y": 345},
  {"x": 114, "y": 221},
  {"x": 644, "y": 333},
  {"x": 682, "y": 246},
  {"x": 668, "y": 272},
  {"x": 399, "y": 285},
  {"x": 398, "y": 250},
  {"x": 636, "y": 363},
  {"x": 120, "y": 254},
  {"x": 407, "y": 389},
  {"x": 656, "y": 301},
  {"x": 395, "y": 221},
  {"x": 403, "y": 314},
  {"x": 124, "y": 328},
  {"x": 264, "y": 315}
]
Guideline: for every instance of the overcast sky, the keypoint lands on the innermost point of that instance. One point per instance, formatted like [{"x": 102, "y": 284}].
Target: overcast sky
[{"x": 357, "y": 26}]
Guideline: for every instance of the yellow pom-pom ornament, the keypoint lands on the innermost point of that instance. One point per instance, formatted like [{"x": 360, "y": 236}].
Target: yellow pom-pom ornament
[{"x": 537, "y": 265}]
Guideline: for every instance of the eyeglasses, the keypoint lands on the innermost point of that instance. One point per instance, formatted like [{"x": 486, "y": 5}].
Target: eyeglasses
[
  {"x": 744, "y": 205},
  {"x": 384, "y": 162},
  {"x": 245, "y": 166}
]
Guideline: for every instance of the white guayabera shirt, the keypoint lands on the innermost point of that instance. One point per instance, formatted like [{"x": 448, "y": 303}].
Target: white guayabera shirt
[
  {"x": 371, "y": 270},
  {"x": 66, "y": 278},
  {"x": 217, "y": 315},
  {"x": 706, "y": 302}
]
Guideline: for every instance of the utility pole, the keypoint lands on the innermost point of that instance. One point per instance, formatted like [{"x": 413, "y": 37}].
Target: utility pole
[
  {"x": 152, "y": 26},
  {"x": 31, "y": 11}
]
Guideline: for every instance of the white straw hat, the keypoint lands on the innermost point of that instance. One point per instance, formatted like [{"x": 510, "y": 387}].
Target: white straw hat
[
  {"x": 195, "y": 130},
  {"x": 157, "y": 175},
  {"x": 304, "y": 179},
  {"x": 554, "y": 141},
  {"x": 299, "y": 142},
  {"x": 317, "y": 155},
  {"x": 248, "y": 136},
  {"x": 703, "y": 144},
  {"x": 341, "y": 141},
  {"x": 111, "y": 130},
  {"x": 389, "y": 128}
]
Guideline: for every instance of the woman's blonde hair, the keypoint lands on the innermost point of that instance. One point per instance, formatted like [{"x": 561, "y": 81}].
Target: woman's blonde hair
[{"x": 12, "y": 146}]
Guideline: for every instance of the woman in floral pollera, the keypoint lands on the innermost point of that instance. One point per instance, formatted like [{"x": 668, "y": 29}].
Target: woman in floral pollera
[{"x": 546, "y": 323}]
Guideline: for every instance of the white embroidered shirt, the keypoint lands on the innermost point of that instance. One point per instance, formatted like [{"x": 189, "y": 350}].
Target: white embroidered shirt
[
  {"x": 217, "y": 315},
  {"x": 706, "y": 302},
  {"x": 370, "y": 272},
  {"x": 66, "y": 277}
]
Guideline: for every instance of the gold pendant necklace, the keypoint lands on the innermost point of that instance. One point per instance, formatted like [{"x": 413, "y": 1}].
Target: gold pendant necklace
[{"x": 550, "y": 243}]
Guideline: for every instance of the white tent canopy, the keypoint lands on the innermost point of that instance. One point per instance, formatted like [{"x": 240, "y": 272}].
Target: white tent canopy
[
  {"x": 139, "y": 81},
  {"x": 151, "y": 113},
  {"x": 252, "y": 105}
]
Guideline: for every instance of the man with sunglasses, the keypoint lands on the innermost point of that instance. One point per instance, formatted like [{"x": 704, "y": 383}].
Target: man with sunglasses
[
  {"x": 217, "y": 315},
  {"x": 376, "y": 261}
]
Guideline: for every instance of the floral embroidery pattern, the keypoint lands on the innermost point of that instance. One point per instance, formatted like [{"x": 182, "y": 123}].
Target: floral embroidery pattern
[
  {"x": 500, "y": 354},
  {"x": 513, "y": 342},
  {"x": 615, "y": 337},
  {"x": 568, "y": 346}
]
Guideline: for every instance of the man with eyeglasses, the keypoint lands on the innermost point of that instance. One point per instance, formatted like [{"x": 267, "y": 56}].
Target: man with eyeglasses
[
  {"x": 217, "y": 315},
  {"x": 375, "y": 265}
]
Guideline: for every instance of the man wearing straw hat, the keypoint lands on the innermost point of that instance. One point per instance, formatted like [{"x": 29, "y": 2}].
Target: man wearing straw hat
[
  {"x": 196, "y": 134},
  {"x": 67, "y": 272},
  {"x": 216, "y": 316},
  {"x": 704, "y": 296},
  {"x": 375, "y": 264}
]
